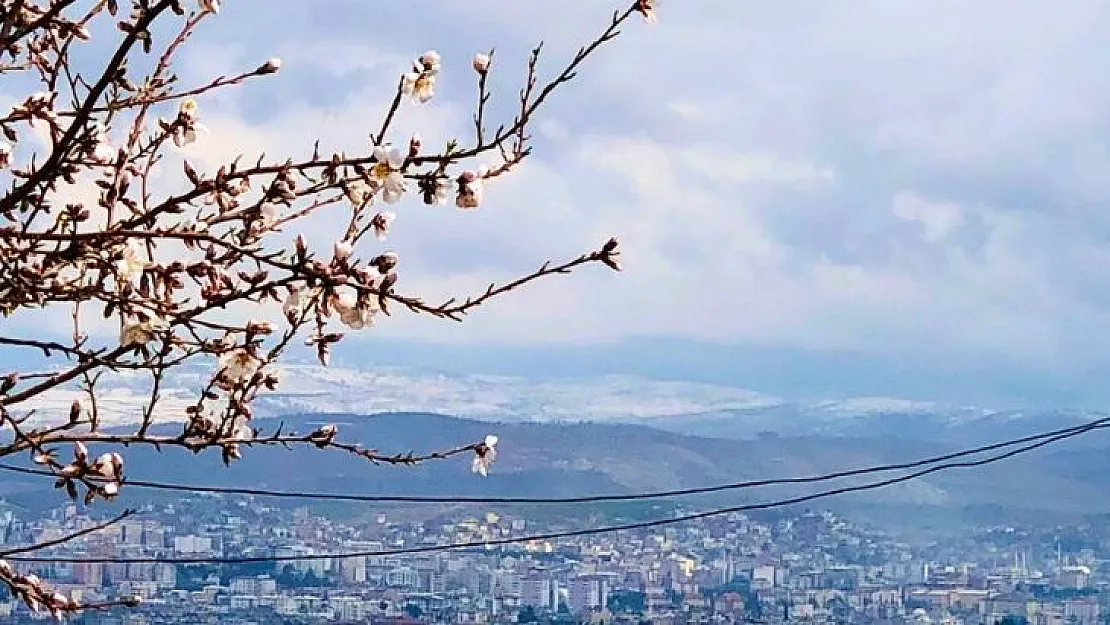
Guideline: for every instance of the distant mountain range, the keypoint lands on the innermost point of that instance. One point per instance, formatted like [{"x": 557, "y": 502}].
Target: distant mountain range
[
  {"x": 683, "y": 407},
  {"x": 548, "y": 459},
  {"x": 308, "y": 388},
  {"x": 620, "y": 434}
]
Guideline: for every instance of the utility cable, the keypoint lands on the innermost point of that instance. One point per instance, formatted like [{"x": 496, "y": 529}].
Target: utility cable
[
  {"x": 1073, "y": 432},
  {"x": 263, "y": 492}
]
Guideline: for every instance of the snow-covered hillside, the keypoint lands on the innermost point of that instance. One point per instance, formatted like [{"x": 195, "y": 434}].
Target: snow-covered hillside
[{"x": 310, "y": 388}]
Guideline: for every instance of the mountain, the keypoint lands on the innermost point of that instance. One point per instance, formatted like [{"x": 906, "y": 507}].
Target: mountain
[
  {"x": 550, "y": 459},
  {"x": 957, "y": 426},
  {"x": 619, "y": 434},
  {"x": 307, "y": 388},
  {"x": 714, "y": 410},
  {"x": 706, "y": 410}
]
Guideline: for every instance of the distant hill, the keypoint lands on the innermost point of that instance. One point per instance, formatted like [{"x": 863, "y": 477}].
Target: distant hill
[
  {"x": 575, "y": 459},
  {"x": 712, "y": 411},
  {"x": 957, "y": 426}
]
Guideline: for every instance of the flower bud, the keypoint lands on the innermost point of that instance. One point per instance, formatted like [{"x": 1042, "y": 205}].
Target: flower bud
[
  {"x": 271, "y": 66},
  {"x": 342, "y": 250},
  {"x": 481, "y": 63}
]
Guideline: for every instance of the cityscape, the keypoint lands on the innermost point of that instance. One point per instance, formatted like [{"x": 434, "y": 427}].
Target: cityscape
[
  {"x": 805, "y": 566},
  {"x": 556, "y": 312}
]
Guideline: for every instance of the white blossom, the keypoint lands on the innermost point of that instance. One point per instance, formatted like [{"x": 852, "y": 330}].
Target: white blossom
[
  {"x": 443, "y": 191},
  {"x": 243, "y": 432},
  {"x": 211, "y": 6},
  {"x": 421, "y": 82},
  {"x": 238, "y": 365},
  {"x": 647, "y": 9},
  {"x": 186, "y": 129},
  {"x": 359, "y": 193},
  {"x": 420, "y": 86},
  {"x": 133, "y": 261},
  {"x": 387, "y": 172},
  {"x": 269, "y": 214},
  {"x": 354, "y": 314},
  {"x": 381, "y": 224},
  {"x": 109, "y": 465},
  {"x": 430, "y": 61},
  {"x": 188, "y": 109},
  {"x": 484, "y": 455},
  {"x": 323, "y": 435},
  {"x": 481, "y": 63}
]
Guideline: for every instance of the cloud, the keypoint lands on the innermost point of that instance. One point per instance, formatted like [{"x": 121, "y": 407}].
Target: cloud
[
  {"x": 926, "y": 180},
  {"x": 938, "y": 219},
  {"x": 853, "y": 176}
]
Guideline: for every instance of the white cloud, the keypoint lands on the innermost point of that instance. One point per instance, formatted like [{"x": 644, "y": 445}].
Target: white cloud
[
  {"x": 880, "y": 174},
  {"x": 728, "y": 166},
  {"x": 685, "y": 109},
  {"x": 938, "y": 219},
  {"x": 774, "y": 192}
]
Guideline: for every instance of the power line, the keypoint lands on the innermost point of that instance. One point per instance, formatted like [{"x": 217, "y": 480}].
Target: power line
[
  {"x": 885, "y": 468},
  {"x": 1099, "y": 424}
]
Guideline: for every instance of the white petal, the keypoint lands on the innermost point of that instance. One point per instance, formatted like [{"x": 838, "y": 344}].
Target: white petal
[{"x": 478, "y": 466}]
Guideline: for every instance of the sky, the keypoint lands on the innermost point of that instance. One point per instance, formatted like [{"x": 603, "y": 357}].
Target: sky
[{"x": 876, "y": 197}]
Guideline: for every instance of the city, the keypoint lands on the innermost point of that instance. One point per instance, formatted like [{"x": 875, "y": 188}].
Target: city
[
  {"x": 560, "y": 312},
  {"x": 798, "y": 566}
]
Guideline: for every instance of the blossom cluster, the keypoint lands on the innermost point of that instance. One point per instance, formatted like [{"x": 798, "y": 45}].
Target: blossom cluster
[
  {"x": 35, "y": 593},
  {"x": 211, "y": 267},
  {"x": 39, "y": 597},
  {"x": 103, "y": 476}
]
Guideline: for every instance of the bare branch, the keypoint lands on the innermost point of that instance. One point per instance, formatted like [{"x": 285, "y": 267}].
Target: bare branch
[{"x": 202, "y": 272}]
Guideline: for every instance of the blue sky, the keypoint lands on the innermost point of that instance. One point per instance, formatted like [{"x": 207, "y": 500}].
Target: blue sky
[{"x": 887, "y": 196}]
